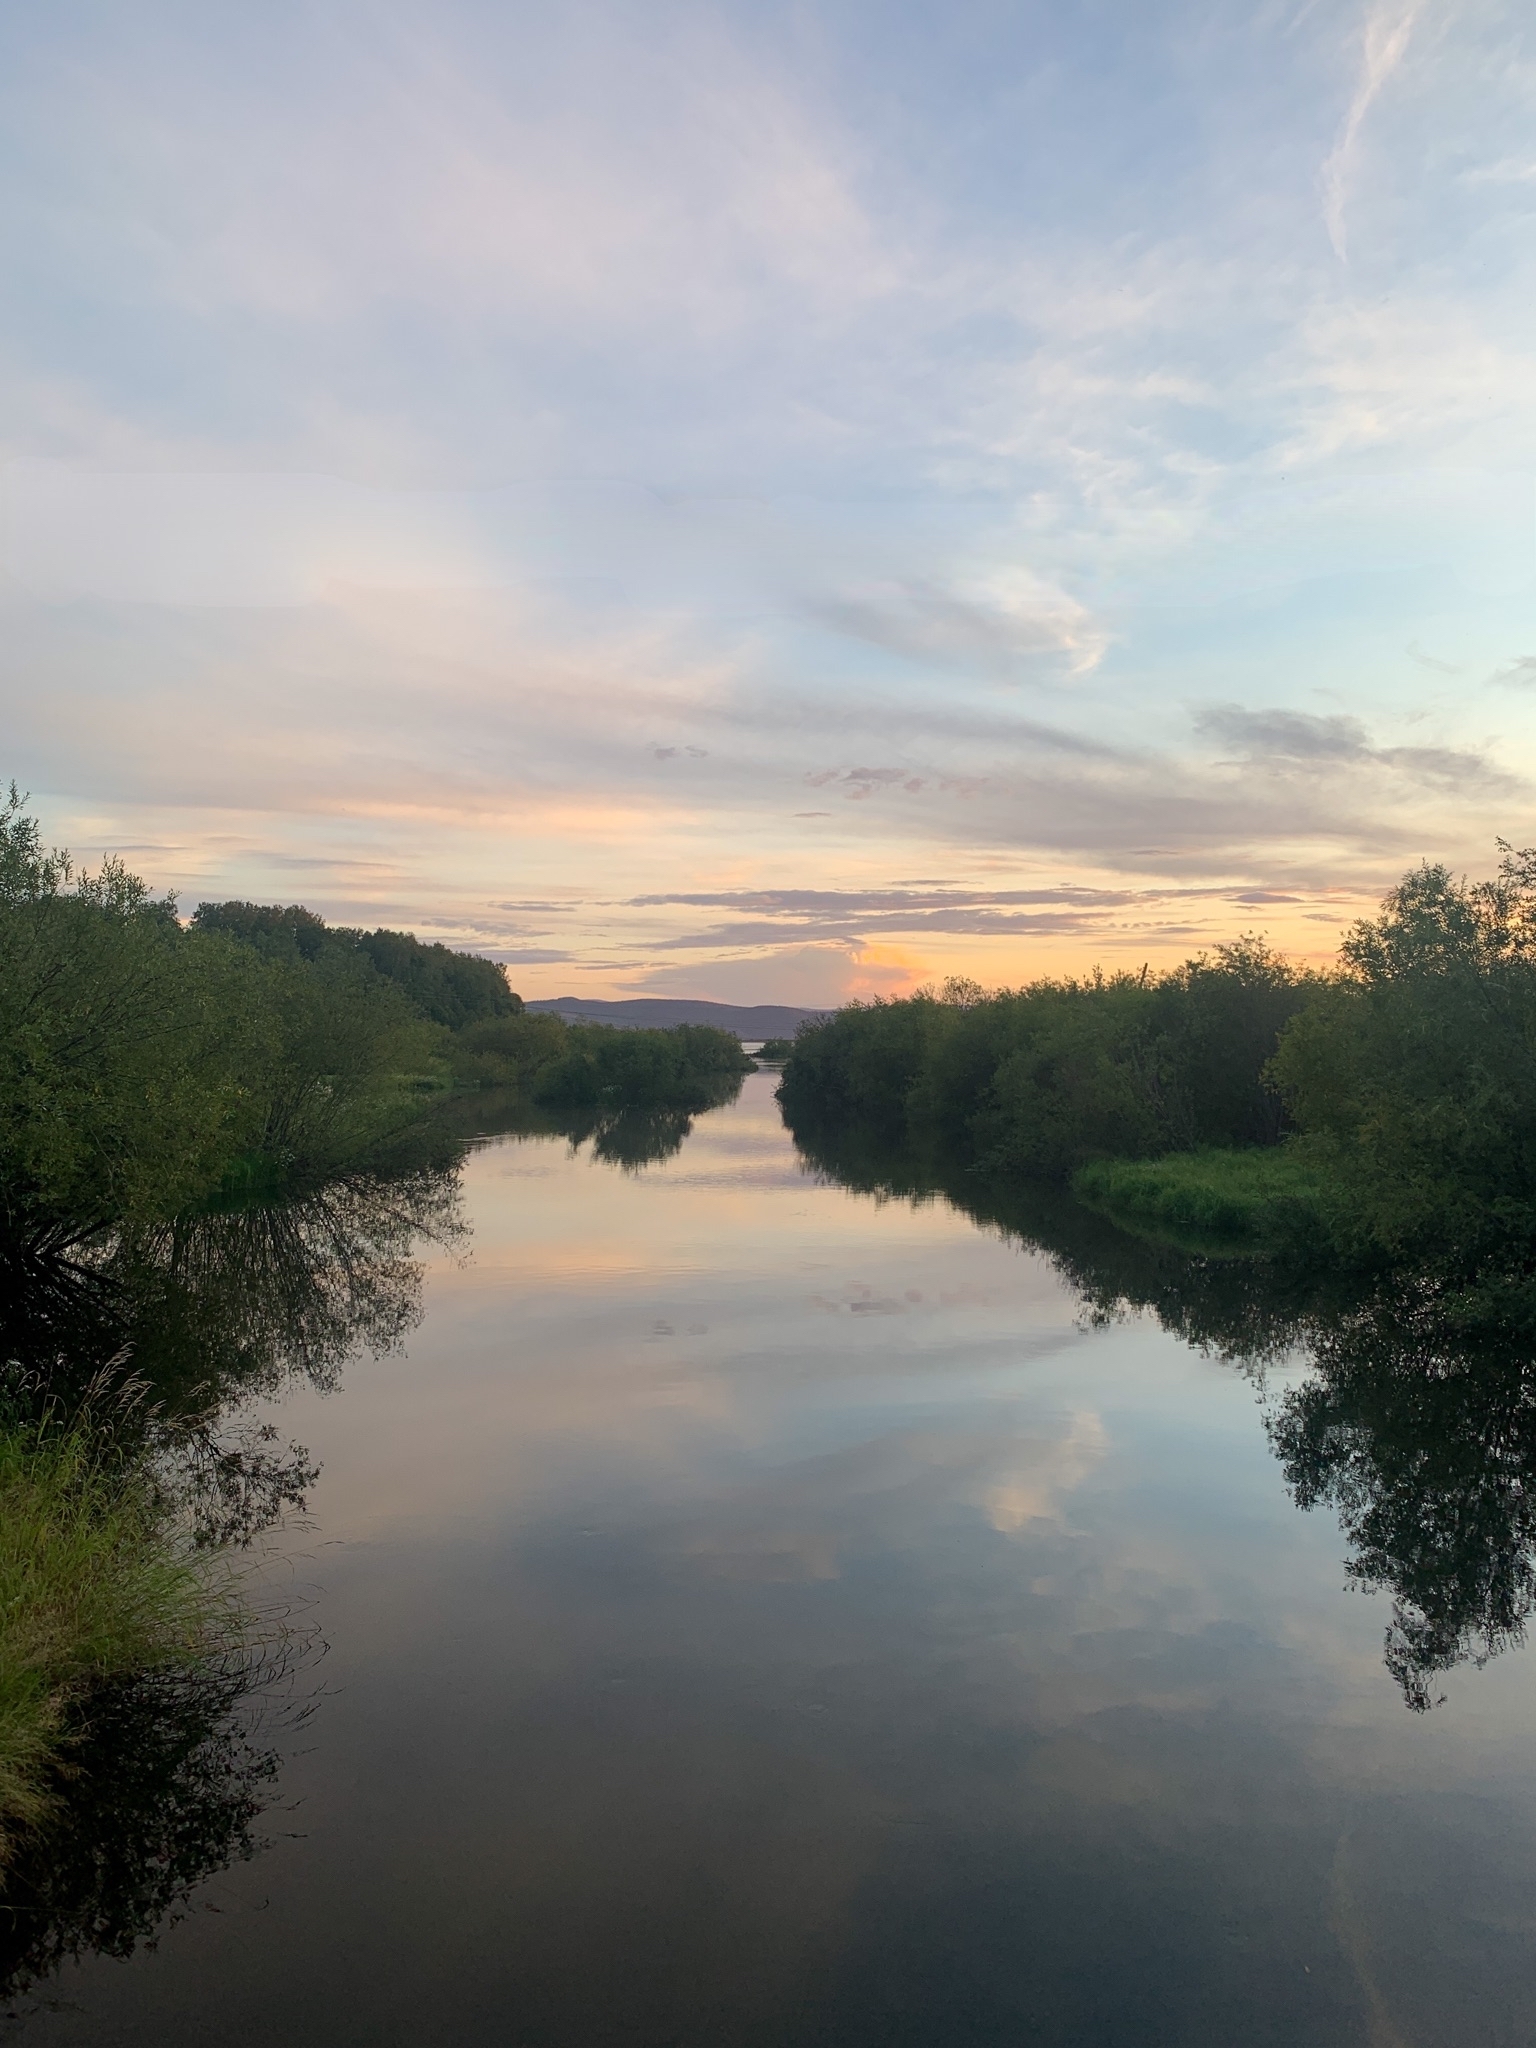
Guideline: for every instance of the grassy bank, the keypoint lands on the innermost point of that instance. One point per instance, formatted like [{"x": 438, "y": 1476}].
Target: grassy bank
[
  {"x": 1260, "y": 1199},
  {"x": 96, "y": 1585}
]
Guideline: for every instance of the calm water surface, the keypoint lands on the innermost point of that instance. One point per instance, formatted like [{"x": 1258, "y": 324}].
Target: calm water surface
[{"x": 762, "y": 1615}]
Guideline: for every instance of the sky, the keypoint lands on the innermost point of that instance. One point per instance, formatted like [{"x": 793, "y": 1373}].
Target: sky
[{"x": 773, "y": 502}]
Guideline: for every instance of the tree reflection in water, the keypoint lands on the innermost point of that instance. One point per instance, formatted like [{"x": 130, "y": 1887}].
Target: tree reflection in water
[
  {"x": 1421, "y": 1434},
  {"x": 173, "y": 1334},
  {"x": 167, "y": 1339},
  {"x": 166, "y": 1784},
  {"x": 1416, "y": 1422},
  {"x": 627, "y": 1137}
]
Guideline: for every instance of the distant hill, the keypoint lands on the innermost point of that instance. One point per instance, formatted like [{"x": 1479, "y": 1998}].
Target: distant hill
[{"x": 753, "y": 1020}]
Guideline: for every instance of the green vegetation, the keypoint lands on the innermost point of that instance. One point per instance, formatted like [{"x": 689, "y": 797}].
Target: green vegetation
[
  {"x": 582, "y": 1067},
  {"x": 147, "y": 1067},
  {"x": 1384, "y": 1113},
  {"x": 1265, "y": 1198},
  {"x": 94, "y": 1587},
  {"x": 142, "y": 1064},
  {"x": 1038, "y": 1081},
  {"x": 447, "y": 988},
  {"x": 775, "y": 1050},
  {"x": 599, "y": 1067}
]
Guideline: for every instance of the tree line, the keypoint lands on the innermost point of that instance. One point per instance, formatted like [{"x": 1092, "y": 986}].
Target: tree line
[
  {"x": 1382, "y": 1111},
  {"x": 147, "y": 1065}
]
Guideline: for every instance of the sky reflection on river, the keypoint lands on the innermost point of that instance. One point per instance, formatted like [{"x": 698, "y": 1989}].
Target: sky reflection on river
[{"x": 759, "y": 1615}]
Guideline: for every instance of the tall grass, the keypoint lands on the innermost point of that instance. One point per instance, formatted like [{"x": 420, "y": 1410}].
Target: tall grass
[
  {"x": 1257, "y": 1199},
  {"x": 97, "y": 1582}
]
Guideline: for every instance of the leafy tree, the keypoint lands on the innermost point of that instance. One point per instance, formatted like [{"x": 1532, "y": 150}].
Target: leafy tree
[
  {"x": 123, "y": 1051},
  {"x": 140, "y": 1062},
  {"x": 1413, "y": 1074},
  {"x": 446, "y": 987}
]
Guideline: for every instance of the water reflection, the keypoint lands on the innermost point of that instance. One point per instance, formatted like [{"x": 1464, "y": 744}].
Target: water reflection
[
  {"x": 1416, "y": 1422},
  {"x": 166, "y": 1787},
  {"x": 180, "y": 1334},
  {"x": 760, "y": 1614},
  {"x": 629, "y": 1138},
  {"x": 1422, "y": 1437},
  {"x": 168, "y": 1338}
]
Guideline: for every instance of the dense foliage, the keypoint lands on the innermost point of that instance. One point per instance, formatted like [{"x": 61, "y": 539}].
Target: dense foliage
[
  {"x": 582, "y": 1067},
  {"x": 1386, "y": 1111},
  {"x": 1413, "y": 1073},
  {"x": 140, "y": 1063},
  {"x": 1038, "y": 1080},
  {"x": 445, "y": 987}
]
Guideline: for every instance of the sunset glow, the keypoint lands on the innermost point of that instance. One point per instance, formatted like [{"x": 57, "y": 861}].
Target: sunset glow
[{"x": 734, "y": 504}]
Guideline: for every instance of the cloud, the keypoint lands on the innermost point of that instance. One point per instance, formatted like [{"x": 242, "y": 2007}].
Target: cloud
[
  {"x": 660, "y": 179},
  {"x": 857, "y": 784},
  {"x": 1299, "y": 739},
  {"x": 814, "y": 977},
  {"x": 849, "y": 902},
  {"x": 1383, "y": 46},
  {"x": 1519, "y": 674},
  {"x": 861, "y": 917},
  {"x": 236, "y": 540},
  {"x": 1284, "y": 735},
  {"x": 526, "y": 956},
  {"x": 1008, "y": 623},
  {"x": 1508, "y": 171}
]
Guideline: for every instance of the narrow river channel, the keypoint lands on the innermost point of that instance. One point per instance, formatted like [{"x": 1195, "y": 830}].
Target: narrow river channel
[{"x": 759, "y": 1614}]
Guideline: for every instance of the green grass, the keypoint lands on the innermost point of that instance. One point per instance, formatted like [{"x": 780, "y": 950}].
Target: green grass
[
  {"x": 1229, "y": 1201},
  {"x": 95, "y": 1584}
]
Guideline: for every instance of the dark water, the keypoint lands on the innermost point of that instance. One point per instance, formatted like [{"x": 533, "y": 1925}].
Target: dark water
[{"x": 758, "y": 1614}]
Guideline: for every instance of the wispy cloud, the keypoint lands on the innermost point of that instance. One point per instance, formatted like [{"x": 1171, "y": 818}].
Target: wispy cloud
[
  {"x": 1384, "y": 43},
  {"x": 1302, "y": 741},
  {"x": 1005, "y": 623}
]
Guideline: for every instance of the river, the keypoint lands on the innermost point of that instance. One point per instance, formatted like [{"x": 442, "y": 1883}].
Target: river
[{"x": 756, "y": 1613}]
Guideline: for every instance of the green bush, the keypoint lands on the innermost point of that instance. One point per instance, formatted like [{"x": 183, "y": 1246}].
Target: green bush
[
  {"x": 677, "y": 1069},
  {"x": 506, "y": 1052},
  {"x": 125, "y": 1051},
  {"x": 343, "y": 1057},
  {"x": 142, "y": 1066}
]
